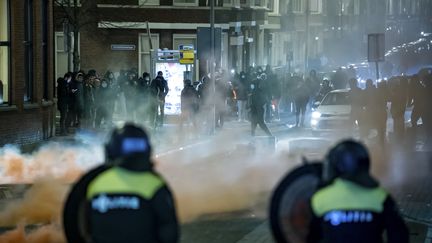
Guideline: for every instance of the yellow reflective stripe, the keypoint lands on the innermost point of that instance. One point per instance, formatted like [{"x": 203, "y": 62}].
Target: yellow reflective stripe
[
  {"x": 345, "y": 195},
  {"x": 118, "y": 180}
]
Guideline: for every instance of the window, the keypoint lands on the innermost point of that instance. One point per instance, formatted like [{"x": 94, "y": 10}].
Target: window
[
  {"x": 4, "y": 52},
  {"x": 63, "y": 65},
  {"x": 148, "y": 2},
  {"x": 28, "y": 56},
  {"x": 315, "y": 6},
  {"x": 273, "y": 5},
  {"x": 350, "y": 7},
  {"x": 183, "y": 39},
  {"x": 297, "y": 6},
  {"x": 144, "y": 61},
  {"x": 185, "y": 2}
]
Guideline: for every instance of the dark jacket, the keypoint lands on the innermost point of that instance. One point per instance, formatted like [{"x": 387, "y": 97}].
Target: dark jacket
[
  {"x": 162, "y": 86},
  {"x": 346, "y": 212},
  {"x": 62, "y": 94},
  {"x": 189, "y": 98}
]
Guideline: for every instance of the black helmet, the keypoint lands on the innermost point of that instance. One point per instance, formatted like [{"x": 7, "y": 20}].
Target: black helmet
[
  {"x": 130, "y": 141},
  {"x": 350, "y": 160}
]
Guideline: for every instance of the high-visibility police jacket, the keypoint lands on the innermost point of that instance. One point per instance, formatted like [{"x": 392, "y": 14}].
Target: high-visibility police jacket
[
  {"x": 347, "y": 212},
  {"x": 130, "y": 206}
]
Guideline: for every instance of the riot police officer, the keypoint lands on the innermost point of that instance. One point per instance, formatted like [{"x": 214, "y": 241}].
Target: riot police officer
[
  {"x": 352, "y": 207},
  {"x": 124, "y": 200}
]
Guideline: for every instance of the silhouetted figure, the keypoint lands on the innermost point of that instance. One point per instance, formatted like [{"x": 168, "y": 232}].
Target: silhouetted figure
[
  {"x": 257, "y": 102},
  {"x": 241, "y": 88},
  {"x": 340, "y": 79},
  {"x": 357, "y": 104},
  {"x": 381, "y": 109},
  {"x": 417, "y": 96},
  {"x": 62, "y": 103},
  {"x": 371, "y": 108},
  {"x": 398, "y": 101},
  {"x": 1, "y": 92},
  {"x": 301, "y": 98},
  {"x": 189, "y": 104},
  {"x": 162, "y": 85}
]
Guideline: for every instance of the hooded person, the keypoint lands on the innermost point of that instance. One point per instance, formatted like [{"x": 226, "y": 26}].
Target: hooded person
[
  {"x": 123, "y": 200},
  {"x": 351, "y": 206}
]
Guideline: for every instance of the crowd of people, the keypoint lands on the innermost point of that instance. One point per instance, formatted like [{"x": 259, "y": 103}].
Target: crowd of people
[
  {"x": 256, "y": 96},
  {"x": 88, "y": 100}
]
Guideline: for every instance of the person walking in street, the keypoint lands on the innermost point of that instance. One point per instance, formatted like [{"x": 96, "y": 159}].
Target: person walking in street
[
  {"x": 398, "y": 99},
  {"x": 241, "y": 88},
  {"x": 123, "y": 200},
  {"x": 189, "y": 104},
  {"x": 352, "y": 207},
  {"x": 257, "y": 102},
  {"x": 301, "y": 98},
  {"x": 162, "y": 85}
]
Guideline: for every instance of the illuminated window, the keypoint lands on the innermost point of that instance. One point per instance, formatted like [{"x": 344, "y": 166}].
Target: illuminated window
[
  {"x": 62, "y": 45},
  {"x": 4, "y": 52}
]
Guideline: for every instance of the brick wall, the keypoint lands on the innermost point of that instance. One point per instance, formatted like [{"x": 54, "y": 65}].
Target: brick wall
[{"x": 20, "y": 122}]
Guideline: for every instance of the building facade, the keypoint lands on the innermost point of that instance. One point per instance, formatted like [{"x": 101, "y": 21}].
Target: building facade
[
  {"x": 171, "y": 23},
  {"x": 27, "y": 110}
]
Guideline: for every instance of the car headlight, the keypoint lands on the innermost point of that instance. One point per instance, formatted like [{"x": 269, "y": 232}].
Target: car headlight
[{"x": 316, "y": 114}]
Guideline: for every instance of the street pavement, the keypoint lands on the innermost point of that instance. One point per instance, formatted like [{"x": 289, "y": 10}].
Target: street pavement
[{"x": 404, "y": 172}]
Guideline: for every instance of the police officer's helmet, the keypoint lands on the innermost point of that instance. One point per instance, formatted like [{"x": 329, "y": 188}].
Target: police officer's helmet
[
  {"x": 350, "y": 160},
  {"x": 128, "y": 142}
]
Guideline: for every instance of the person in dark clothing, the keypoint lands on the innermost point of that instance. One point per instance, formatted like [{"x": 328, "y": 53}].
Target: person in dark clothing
[
  {"x": 370, "y": 106},
  {"x": 381, "y": 111},
  {"x": 241, "y": 88},
  {"x": 340, "y": 79},
  {"x": 79, "y": 97},
  {"x": 416, "y": 100},
  {"x": 256, "y": 103},
  {"x": 189, "y": 104},
  {"x": 301, "y": 98},
  {"x": 221, "y": 95},
  {"x": 70, "y": 113},
  {"x": 62, "y": 103},
  {"x": 324, "y": 90},
  {"x": 427, "y": 121},
  {"x": 124, "y": 200},
  {"x": 398, "y": 99},
  {"x": 143, "y": 97},
  {"x": 103, "y": 97},
  {"x": 1, "y": 92},
  {"x": 89, "y": 100},
  {"x": 351, "y": 206},
  {"x": 357, "y": 107},
  {"x": 162, "y": 85},
  {"x": 130, "y": 87},
  {"x": 109, "y": 77}
]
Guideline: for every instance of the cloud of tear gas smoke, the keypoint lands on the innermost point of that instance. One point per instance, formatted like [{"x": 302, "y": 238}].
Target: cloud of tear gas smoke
[
  {"x": 40, "y": 204},
  {"x": 53, "y": 161},
  {"x": 225, "y": 180},
  {"x": 213, "y": 177},
  {"x": 44, "y": 234}
]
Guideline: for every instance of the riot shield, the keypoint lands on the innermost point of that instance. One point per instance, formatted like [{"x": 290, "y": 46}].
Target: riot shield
[{"x": 290, "y": 212}]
